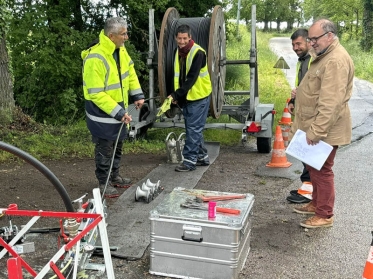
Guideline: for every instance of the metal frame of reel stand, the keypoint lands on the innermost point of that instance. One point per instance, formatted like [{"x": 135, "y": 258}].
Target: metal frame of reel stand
[{"x": 245, "y": 114}]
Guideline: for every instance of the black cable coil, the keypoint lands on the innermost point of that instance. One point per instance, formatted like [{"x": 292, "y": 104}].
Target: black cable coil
[{"x": 200, "y": 27}]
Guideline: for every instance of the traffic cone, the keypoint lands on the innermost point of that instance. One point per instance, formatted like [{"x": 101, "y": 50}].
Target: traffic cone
[
  {"x": 286, "y": 116},
  {"x": 279, "y": 159},
  {"x": 306, "y": 190},
  {"x": 285, "y": 135},
  {"x": 368, "y": 269}
]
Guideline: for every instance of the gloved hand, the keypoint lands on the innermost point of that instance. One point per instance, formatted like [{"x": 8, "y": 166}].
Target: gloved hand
[{"x": 165, "y": 106}]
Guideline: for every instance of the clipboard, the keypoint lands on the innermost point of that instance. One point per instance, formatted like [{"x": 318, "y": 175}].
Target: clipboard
[{"x": 312, "y": 155}]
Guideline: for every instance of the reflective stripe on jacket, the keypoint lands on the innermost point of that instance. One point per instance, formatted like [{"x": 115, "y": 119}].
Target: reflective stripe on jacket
[
  {"x": 105, "y": 92},
  {"x": 202, "y": 87}
]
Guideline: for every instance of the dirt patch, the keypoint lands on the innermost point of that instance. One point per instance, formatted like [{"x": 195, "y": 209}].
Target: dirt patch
[{"x": 233, "y": 171}]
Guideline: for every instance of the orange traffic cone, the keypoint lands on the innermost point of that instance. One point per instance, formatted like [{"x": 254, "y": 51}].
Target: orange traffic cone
[
  {"x": 368, "y": 269},
  {"x": 286, "y": 116},
  {"x": 279, "y": 159},
  {"x": 285, "y": 135}
]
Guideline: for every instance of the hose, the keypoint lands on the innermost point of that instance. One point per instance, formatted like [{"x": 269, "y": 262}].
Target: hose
[
  {"x": 64, "y": 268},
  {"x": 43, "y": 169},
  {"x": 115, "y": 147},
  {"x": 44, "y": 230}
]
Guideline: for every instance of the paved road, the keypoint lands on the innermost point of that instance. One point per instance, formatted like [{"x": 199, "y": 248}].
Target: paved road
[{"x": 341, "y": 251}]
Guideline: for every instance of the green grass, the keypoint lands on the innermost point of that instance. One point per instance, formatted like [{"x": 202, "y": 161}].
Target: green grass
[
  {"x": 363, "y": 61},
  {"x": 273, "y": 86}
]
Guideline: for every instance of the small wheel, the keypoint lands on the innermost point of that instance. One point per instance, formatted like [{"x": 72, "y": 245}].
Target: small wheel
[{"x": 264, "y": 145}]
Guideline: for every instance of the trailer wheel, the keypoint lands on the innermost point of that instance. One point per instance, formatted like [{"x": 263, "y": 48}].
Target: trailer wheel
[{"x": 263, "y": 145}]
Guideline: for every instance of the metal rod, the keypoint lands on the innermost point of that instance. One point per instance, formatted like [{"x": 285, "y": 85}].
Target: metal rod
[
  {"x": 236, "y": 92},
  {"x": 150, "y": 59},
  {"x": 20, "y": 234},
  {"x": 103, "y": 234}
]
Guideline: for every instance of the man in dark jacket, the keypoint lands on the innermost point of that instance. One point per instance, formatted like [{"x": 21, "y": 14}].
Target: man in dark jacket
[
  {"x": 193, "y": 88},
  {"x": 301, "y": 48}
]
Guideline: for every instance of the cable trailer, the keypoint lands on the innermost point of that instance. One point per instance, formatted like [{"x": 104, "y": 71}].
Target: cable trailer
[{"x": 254, "y": 119}]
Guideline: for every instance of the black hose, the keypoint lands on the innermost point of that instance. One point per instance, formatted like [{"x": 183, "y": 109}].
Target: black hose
[
  {"x": 44, "y": 230},
  {"x": 43, "y": 169}
]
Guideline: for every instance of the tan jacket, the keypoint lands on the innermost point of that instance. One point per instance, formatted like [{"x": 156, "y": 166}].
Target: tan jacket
[{"x": 322, "y": 109}]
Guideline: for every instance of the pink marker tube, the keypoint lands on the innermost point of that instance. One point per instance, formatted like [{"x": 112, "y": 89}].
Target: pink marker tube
[{"x": 212, "y": 209}]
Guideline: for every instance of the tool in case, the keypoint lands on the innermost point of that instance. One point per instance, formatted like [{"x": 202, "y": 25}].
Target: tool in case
[{"x": 185, "y": 243}]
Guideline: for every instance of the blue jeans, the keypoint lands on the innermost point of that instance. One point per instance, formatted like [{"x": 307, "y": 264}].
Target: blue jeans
[{"x": 195, "y": 115}]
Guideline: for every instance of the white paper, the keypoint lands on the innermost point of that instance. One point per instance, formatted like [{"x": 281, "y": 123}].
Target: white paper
[{"x": 312, "y": 155}]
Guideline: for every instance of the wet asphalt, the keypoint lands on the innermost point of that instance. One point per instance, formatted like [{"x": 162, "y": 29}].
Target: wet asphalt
[{"x": 340, "y": 251}]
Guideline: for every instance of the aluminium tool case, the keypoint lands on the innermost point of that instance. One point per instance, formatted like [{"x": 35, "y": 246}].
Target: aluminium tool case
[{"x": 185, "y": 243}]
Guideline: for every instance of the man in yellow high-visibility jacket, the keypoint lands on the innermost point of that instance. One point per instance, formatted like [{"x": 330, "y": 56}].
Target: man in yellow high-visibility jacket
[
  {"x": 193, "y": 88},
  {"x": 109, "y": 83}
]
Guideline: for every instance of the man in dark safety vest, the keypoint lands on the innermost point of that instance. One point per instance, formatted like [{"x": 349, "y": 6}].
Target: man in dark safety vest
[
  {"x": 192, "y": 90},
  {"x": 301, "y": 48}
]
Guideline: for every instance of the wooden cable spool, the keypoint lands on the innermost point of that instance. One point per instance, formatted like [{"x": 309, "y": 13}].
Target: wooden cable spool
[{"x": 209, "y": 33}]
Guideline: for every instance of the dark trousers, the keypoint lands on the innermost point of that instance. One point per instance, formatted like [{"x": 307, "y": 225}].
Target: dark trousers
[
  {"x": 323, "y": 194},
  {"x": 103, "y": 157},
  {"x": 305, "y": 176},
  {"x": 195, "y": 115}
]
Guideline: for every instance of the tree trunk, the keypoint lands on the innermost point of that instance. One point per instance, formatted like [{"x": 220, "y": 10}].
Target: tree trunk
[
  {"x": 367, "y": 41},
  {"x": 6, "y": 82}
]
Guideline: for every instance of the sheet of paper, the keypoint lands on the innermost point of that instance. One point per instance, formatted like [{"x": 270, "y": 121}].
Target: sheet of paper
[{"x": 313, "y": 155}]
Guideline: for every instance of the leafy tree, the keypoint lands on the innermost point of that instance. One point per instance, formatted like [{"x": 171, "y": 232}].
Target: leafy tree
[
  {"x": 47, "y": 37},
  {"x": 46, "y": 50},
  {"x": 346, "y": 14}
]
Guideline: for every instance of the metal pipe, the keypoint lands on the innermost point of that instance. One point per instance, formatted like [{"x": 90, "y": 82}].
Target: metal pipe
[{"x": 150, "y": 59}]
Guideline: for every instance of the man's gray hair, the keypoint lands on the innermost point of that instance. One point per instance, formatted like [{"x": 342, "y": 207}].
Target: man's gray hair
[
  {"x": 114, "y": 24},
  {"x": 327, "y": 25}
]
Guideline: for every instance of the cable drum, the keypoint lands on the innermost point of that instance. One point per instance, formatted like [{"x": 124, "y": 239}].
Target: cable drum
[{"x": 209, "y": 33}]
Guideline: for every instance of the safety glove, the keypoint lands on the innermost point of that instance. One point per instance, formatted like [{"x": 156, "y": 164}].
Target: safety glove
[{"x": 165, "y": 106}]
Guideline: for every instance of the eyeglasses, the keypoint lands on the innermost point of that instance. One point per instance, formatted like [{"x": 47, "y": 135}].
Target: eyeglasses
[
  {"x": 314, "y": 39},
  {"x": 124, "y": 34}
]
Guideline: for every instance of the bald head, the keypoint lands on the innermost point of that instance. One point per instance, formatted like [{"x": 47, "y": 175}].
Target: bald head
[
  {"x": 326, "y": 25},
  {"x": 321, "y": 35}
]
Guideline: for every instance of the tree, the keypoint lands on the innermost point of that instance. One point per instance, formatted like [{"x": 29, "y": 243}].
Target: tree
[
  {"x": 47, "y": 37},
  {"x": 367, "y": 40},
  {"x": 6, "y": 80}
]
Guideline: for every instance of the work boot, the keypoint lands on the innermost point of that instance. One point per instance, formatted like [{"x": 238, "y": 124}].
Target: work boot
[
  {"x": 119, "y": 181},
  {"x": 309, "y": 208},
  {"x": 296, "y": 198},
  {"x": 110, "y": 190},
  {"x": 183, "y": 168},
  {"x": 202, "y": 163},
  {"x": 317, "y": 222}
]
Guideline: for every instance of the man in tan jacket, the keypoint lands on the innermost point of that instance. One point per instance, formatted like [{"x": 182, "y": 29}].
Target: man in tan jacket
[{"x": 322, "y": 112}]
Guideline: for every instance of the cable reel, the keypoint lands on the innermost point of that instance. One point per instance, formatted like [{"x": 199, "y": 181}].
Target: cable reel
[{"x": 209, "y": 33}]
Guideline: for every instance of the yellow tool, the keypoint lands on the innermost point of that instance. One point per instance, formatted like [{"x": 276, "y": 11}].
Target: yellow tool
[{"x": 165, "y": 106}]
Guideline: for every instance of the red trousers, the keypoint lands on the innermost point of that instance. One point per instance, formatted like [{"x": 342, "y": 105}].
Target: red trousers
[{"x": 323, "y": 194}]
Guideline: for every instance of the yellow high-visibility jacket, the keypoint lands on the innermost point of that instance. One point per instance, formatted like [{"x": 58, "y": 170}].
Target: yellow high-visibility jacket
[
  {"x": 107, "y": 93},
  {"x": 202, "y": 87}
]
